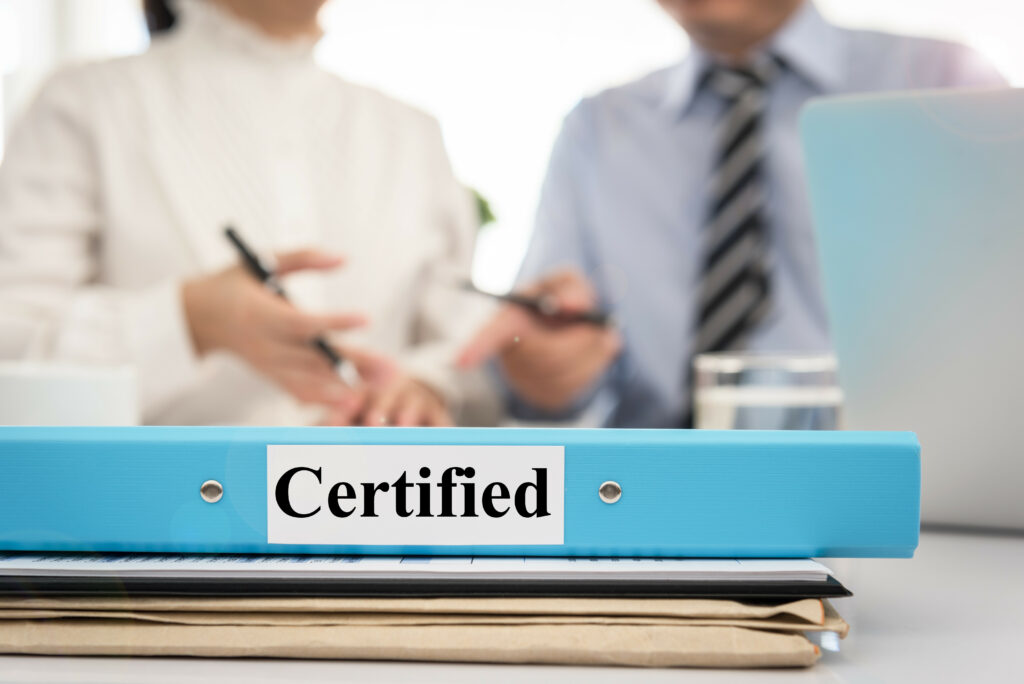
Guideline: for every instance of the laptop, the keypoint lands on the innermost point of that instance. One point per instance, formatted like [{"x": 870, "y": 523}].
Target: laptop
[{"x": 918, "y": 202}]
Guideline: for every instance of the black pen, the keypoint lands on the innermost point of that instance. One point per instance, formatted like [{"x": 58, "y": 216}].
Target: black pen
[
  {"x": 346, "y": 369},
  {"x": 546, "y": 307}
]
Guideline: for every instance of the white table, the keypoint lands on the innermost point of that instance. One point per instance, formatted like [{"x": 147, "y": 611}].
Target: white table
[{"x": 955, "y": 613}]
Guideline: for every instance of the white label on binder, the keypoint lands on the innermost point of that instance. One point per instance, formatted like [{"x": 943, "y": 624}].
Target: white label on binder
[{"x": 415, "y": 495}]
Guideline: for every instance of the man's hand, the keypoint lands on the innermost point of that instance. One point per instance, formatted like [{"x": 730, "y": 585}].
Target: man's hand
[
  {"x": 231, "y": 311},
  {"x": 547, "y": 363},
  {"x": 388, "y": 396}
]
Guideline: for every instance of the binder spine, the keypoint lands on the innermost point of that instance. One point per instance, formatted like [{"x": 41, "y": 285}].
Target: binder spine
[{"x": 680, "y": 493}]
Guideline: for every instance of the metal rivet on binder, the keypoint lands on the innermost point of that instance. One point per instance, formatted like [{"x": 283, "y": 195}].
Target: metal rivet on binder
[
  {"x": 610, "y": 492},
  {"x": 211, "y": 491}
]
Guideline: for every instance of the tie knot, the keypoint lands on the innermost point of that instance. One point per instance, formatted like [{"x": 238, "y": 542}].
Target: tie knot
[{"x": 731, "y": 81}]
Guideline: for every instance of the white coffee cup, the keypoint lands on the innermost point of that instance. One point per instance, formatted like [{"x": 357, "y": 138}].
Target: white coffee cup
[{"x": 34, "y": 393}]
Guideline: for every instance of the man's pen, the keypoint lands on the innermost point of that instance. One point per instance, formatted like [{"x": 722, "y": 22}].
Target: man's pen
[
  {"x": 545, "y": 307},
  {"x": 346, "y": 369}
]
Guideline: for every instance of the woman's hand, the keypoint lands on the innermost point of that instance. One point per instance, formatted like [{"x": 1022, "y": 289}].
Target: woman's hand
[
  {"x": 230, "y": 311},
  {"x": 388, "y": 396}
]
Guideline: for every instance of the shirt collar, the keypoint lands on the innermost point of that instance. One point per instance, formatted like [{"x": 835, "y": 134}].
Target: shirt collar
[
  {"x": 813, "y": 48},
  {"x": 809, "y": 46},
  {"x": 684, "y": 80}
]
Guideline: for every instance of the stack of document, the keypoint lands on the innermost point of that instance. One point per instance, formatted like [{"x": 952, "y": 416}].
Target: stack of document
[
  {"x": 352, "y": 607},
  {"x": 630, "y": 547},
  {"x": 481, "y": 609}
]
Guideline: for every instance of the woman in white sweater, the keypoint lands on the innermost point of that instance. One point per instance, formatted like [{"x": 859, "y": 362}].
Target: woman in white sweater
[{"x": 122, "y": 175}]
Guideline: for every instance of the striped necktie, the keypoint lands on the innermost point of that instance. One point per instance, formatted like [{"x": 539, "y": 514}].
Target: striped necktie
[{"x": 735, "y": 282}]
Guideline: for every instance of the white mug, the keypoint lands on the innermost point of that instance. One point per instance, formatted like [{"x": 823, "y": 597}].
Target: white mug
[{"x": 34, "y": 393}]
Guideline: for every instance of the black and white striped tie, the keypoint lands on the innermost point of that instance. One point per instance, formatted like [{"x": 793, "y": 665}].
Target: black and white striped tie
[{"x": 735, "y": 283}]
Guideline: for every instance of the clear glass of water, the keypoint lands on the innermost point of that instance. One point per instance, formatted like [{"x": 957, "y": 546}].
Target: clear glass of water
[{"x": 758, "y": 391}]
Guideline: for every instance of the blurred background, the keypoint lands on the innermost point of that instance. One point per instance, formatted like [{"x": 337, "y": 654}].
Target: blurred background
[{"x": 499, "y": 75}]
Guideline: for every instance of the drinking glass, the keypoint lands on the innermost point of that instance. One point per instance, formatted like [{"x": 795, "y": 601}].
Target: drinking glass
[{"x": 760, "y": 391}]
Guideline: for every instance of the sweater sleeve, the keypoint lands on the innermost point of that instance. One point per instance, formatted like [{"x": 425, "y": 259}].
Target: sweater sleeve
[{"x": 53, "y": 303}]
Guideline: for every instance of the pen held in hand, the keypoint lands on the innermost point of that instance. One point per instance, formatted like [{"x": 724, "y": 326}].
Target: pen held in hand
[
  {"x": 252, "y": 263},
  {"x": 545, "y": 307}
]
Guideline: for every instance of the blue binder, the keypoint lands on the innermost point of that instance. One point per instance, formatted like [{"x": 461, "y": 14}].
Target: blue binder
[{"x": 658, "y": 493}]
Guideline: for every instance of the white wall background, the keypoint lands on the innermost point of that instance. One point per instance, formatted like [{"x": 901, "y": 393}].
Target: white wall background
[{"x": 499, "y": 74}]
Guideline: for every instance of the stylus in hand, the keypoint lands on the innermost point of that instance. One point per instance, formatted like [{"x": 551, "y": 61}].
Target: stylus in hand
[{"x": 545, "y": 306}]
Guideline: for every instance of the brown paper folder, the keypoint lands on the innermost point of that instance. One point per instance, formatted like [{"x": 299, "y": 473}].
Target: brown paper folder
[
  {"x": 642, "y": 645},
  {"x": 591, "y": 631}
]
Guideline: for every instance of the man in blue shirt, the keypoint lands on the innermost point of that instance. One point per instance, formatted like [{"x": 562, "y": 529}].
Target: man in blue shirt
[{"x": 678, "y": 203}]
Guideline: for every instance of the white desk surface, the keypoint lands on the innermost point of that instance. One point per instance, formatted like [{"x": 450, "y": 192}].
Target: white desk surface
[{"x": 953, "y": 613}]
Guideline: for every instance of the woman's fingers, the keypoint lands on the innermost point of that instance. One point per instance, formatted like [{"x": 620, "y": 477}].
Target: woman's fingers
[
  {"x": 312, "y": 388},
  {"x": 348, "y": 410},
  {"x": 381, "y": 405},
  {"x": 403, "y": 403},
  {"x": 299, "y": 357},
  {"x": 436, "y": 415},
  {"x": 306, "y": 259},
  {"x": 393, "y": 398},
  {"x": 301, "y": 327},
  {"x": 377, "y": 370},
  {"x": 409, "y": 410},
  {"x": 423, "y": 406}
]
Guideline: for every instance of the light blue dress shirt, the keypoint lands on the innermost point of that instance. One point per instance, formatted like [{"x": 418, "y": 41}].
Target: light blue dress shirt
[{"x": 625, "y": 199}]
